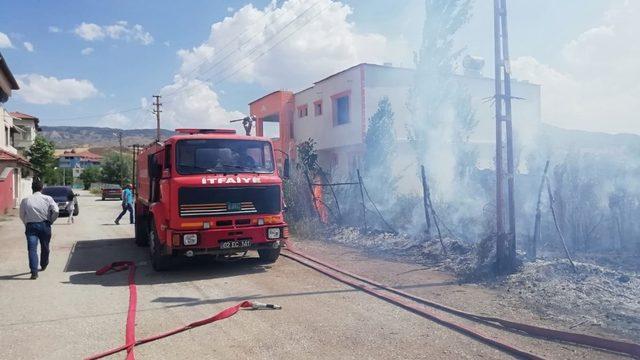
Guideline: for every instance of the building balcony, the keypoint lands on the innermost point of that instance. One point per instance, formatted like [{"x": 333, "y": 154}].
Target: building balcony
[{"x": 22, "y": 144}]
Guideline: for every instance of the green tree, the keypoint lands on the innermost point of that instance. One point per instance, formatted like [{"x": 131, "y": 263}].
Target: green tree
[
  {"x": 116, "y": 169},
  {"x": 308, "y": 157},
  {"x": 90, "y": 175},
  {"x": 59, "y": 176},
  {"x": 434, "y": 88},
  {"x": 465, "y": 123},
  {"x": 40, "y": 155},
  {"x": 380, "y": 140}
]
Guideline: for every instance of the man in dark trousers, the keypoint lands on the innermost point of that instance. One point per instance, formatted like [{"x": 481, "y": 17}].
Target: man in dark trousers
[
  {"x": 127, "y": 204},
  {"x": 38, "y": 212}
]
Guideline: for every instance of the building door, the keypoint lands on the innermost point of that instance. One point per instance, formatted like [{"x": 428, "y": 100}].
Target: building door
[{"x": 16, "y": 186}]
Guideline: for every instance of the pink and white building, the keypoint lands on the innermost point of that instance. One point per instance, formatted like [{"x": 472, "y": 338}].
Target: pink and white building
[{"x": 335, "y": 112}]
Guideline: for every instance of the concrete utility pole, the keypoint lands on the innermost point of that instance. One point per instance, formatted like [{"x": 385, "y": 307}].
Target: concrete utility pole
[
  {"x": 121, "y": 158},
  {"x": 157, "y": 111},
  {"x": 505, "y": 242},
  {"x": 135, "y": 150}
]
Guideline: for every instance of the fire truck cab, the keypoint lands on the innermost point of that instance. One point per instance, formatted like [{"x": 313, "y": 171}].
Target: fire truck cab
[{"x": 209, "y": 192}]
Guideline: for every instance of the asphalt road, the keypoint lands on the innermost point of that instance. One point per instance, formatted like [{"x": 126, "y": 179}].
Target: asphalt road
[{"x": 70, "y": 313}]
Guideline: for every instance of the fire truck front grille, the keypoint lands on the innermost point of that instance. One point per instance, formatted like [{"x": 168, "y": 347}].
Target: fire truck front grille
[
  {"x": 217, "y": 209},
  {"x": 210, "y": 201}
]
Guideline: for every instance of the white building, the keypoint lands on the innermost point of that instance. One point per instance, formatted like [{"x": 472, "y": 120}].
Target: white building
[
  {"x": 7, "y": 138},
  {"x": 27, "y": 127},
  {"x": 15, "y": 170},
  {"x": 335, "y": 112}
]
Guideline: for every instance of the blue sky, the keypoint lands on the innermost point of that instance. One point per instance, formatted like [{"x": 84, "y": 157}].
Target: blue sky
[{"x": 552, "y": 43}]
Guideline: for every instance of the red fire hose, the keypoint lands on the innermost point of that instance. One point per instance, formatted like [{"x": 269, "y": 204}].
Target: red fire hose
[
  {"x": 400, "y": 298},
  {"x": 396, "y": 297},
  {"x": 130, "y": 337}
]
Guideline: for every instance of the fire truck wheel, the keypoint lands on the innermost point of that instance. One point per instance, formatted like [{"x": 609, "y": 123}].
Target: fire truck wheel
[
  {"x": 269, "y": 256},
  {"x": 159, "y": 262},
  {"x": 142, "y": 232}
]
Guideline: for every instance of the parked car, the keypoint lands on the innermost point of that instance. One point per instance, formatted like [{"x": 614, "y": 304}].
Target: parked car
[
  {"x": 111, "y": 192},
  {"x": 60, "y": 195}
]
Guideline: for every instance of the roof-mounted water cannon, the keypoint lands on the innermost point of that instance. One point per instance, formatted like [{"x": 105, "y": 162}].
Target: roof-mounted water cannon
[{"x": 247, "y": 123}]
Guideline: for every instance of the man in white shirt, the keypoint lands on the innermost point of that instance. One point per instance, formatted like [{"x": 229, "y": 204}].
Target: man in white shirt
[{"x": 38, "y": 212}]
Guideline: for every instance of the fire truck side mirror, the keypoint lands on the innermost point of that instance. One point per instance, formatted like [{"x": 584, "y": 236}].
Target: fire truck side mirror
[{"x": 286, "y": 169}]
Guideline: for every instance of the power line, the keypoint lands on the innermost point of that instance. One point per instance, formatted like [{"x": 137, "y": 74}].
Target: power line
[
  {"x": 251, "y": 53},
  {"x": 252, "y": 50},
  {"x": 98, "y": 115},
  {"x": 223, "y": 70},
  {"x": 203, "y": 62}
]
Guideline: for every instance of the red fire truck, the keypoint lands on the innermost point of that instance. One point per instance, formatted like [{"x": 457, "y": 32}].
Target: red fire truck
[{"x": 209, "y": 192}]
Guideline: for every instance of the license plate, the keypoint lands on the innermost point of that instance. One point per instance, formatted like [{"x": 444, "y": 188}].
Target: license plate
[{"x": 235, "y": 244}]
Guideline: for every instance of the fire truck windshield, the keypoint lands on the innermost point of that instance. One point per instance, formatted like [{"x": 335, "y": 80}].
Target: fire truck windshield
[{"x": 204, "y": 156}]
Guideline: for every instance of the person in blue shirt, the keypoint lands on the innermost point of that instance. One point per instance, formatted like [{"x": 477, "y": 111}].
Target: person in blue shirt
[{"x": 127, "y": 204}]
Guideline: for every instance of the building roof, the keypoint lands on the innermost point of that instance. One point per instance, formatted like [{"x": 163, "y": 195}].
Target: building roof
[
  {"x": 269, "y": 94},
  {"x": 339, "y": 72},
  {"x": 83, "y": 154},
  {"x": 90, "y": 156},
  {"x": 370, "y": 65},
  {"x": 23, "y": 116},
  {"x": 7, "y": 72},
  {"x": 19, "y": 115},
  {"x": 7, "y": 156}
]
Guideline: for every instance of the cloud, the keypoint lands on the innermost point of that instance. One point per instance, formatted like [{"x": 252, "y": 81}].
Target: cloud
[
  {"x": 230, "y": 9},
  {"x": 54, "y": 29},
  {"x": 28, "y": 46},
  {"x": 560, "y": 103},
  {"x": 599, "y": 90},
  {"x": 197, "y": 106},
  {"x": 301, "y": 57},
  {"x": 118, "y": 31},
  {"x": 5, "y": 42},
  {"x": 86, "y": 51},
  {"x": 89, "y": 32},
  {"x": 321, "y": 42},
  {"x": 115, "y": 120},
  {"x": 39, "y": 89}
]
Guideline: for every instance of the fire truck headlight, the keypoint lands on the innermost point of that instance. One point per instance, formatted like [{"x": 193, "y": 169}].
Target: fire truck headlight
[
  {"x": 273, "y": 233},
  {"x": 190, "y": 239}
]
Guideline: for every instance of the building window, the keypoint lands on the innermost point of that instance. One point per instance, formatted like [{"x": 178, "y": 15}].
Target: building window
[
  {"x": 303, "y": 111},
  {"x": 317, "y": 108},
  {"x": 340, "y": 108},
  {"x": 271, "y": 126}
]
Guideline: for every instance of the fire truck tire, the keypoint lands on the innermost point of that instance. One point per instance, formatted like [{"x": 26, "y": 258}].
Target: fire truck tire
[
  {"x": 269, "y": 256},
  {"x": 159, "y": 262},
  {"x": 142, "y": 231}
]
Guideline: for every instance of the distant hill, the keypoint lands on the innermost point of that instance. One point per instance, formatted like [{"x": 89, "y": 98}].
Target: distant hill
[
  {"x": 563, "y": 140},
  {"x": 66, "y": 137},
  {"x": 566, "y": 140}
]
